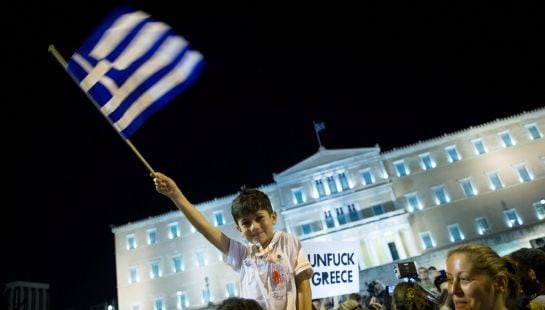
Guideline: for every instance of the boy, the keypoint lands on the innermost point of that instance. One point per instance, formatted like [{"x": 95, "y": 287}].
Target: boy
[{"x": 274, "y": 269}]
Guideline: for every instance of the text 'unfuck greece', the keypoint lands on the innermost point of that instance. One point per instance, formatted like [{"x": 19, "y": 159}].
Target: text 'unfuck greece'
[{"x": 335, "y": 272}]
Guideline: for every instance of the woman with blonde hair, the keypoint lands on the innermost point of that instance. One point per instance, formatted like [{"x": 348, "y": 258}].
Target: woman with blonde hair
[{"x": 479, "y": 279}]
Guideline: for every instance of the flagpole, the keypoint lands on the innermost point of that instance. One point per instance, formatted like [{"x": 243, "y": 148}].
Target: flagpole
[
  {"x": 317, "y": 135},
  {"x": 63, "y": 63}
]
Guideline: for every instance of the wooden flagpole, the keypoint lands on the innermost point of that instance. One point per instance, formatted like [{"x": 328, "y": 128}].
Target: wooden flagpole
[{"x": 63, "y": 63}]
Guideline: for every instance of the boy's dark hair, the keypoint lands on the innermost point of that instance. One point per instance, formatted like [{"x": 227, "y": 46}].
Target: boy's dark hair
[
  {"x": 249, "y": 201},
  {"x": 238, "y": 303}
]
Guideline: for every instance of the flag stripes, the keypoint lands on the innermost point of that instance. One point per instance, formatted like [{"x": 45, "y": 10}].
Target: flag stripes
[
  {"x": 132, "y": 66},
  {"x": 319, "y": 126}
]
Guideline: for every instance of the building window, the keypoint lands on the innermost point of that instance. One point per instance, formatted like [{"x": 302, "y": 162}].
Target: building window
[
  {"x": 427, "y": 240},
  {"x": 377, "y": 209},
  {"x": 413, "y": 202},
  {"x": 155, "y": 271},
  {"x": 152, "y": 236},
  {"x": 320, "y": 188},
  {"x": 495, "y": 181},
  {"x": 158, "y": 304},
  {"x": 182, "y": 302},
  {"x": 131, "y": 242},
  {"x": 540, "y": 209},
  {"x": 481, "y": 225},
  {"x": 133, "y": 275},
  {"x": 230, "y": 290},
  {"x": 512, "y": 218},
  {"x": 479, "y": 146},
  {"x": 524, "y": 173},
  {"x": 401, "y": 168},
  {"x": 201, "y": 260},
  {"x": 306, "y": 229},
  {"x": 173, "y": 230},
  {"x": 353, "y": 214},
  {"x": 533, "y": 131},
  {"x": 329, "y": 222},
  {"x": 453, "y": 154},
  {"x": 177, "y": 264},
  {"x": 135, "y": 306},
  {"x": 367, "y": 177},
  {"x": 340, "y": 216},
  {"x": 455, "y": 233},
  {"x": 506, "y": 139},
  {"x": 393, "y": 251},
  {"x": 426, "y": 162},
  {"x": 218, "y": 218},
  {"x": 468, "y": 187},
  {"x": 332, "y": 185},
  {"x": 344, "y": 181},
  {"x": 298, "y": 196},
  {"x": 441, "y": 196}
]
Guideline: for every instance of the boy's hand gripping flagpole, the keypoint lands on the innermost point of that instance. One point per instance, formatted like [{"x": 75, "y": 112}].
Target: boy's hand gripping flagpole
[
  {"x": 61, "y": 61},
  {"x": 130, "y": 67}
]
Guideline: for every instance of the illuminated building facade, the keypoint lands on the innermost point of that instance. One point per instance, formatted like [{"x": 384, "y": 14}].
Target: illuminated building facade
[{"x": 481, "y": 184}]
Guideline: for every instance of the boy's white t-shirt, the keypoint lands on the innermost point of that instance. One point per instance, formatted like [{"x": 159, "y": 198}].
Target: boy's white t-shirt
[{"x": 268, "y": 275}]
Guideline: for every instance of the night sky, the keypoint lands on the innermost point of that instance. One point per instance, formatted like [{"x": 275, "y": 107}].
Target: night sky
[{"x": 377, "y": 73}]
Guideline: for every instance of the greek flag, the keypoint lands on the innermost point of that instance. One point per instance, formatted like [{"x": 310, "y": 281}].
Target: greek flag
[
  {"x": 133, "y": 65},
  {"x": 319, "y": 126}
]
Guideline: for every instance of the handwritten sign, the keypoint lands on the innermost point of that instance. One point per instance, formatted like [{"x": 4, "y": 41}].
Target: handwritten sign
[{"x": 335, "y": 266}]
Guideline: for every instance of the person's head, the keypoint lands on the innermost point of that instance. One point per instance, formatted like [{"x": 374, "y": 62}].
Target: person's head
[
  {"x": 531, "y": 264},
  {"x": 237, "y": 303},
  {"x": 433, "y": 272},
  {"x": 423, "y": 274},
  {"x": 411, "y": 296},
  {"x": 375, "y": 287},
  {"x": 254, "y": 216},
  {"x": 352, "y": 302},
  {"x": 355, "y": 296},
  {"x": 479, "y": 279}
]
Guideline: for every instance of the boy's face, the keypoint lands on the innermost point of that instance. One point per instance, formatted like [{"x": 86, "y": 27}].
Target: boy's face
[{"x": 257, "y": 227}]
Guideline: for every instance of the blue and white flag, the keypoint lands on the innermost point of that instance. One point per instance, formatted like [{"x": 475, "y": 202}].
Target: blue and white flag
[
  {"x": 132, "y": 66},
  {"x": 319, "y": 126}
]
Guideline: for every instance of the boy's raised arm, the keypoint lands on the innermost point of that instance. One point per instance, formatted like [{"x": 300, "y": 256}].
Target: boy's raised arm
[{"x": 169, "y": 188}]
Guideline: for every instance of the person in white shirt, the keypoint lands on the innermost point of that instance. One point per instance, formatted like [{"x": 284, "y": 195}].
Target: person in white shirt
[{"x": 274, "y": 269}]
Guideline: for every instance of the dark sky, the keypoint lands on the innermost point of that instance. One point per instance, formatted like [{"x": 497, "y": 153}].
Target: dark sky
[{"x": 387, "y": 74}]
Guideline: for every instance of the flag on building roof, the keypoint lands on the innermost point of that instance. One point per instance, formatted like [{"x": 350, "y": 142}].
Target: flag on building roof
[
  {"x": 132, "y": 66},
  {"x": 319, "y": 126}
]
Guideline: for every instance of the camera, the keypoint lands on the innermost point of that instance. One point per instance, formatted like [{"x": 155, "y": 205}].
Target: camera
[{"x": 406, "y": 270}]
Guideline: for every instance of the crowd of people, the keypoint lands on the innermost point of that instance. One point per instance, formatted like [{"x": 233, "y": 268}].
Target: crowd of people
[
  {"x": 475, "y": 277},
  {"x": 275, "y": 271}
]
